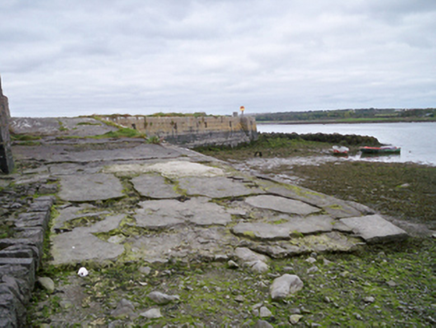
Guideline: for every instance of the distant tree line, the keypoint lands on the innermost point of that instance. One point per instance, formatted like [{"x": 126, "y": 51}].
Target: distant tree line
[{"x": 343, "y": 114}]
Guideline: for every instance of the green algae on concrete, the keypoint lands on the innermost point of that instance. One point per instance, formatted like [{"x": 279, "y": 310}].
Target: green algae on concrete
[
  {"x": 170, "y": 169},
  {"x": 284, "y": 230},
  {"x": 165, "y": 213},
  {"x": 216, "y": 187},
  {"x": 281, "y": 204},
  {"x": 373, "y": 228}
]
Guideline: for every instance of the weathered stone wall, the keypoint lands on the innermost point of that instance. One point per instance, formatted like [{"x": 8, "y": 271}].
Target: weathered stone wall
[
  {"x": 193, "y": 131},
  {"x": 20, "y": 255},
  {"x": 6, "y": 161}
]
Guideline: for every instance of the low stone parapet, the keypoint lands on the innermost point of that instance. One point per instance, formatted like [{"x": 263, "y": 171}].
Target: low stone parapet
[{"x": 20, "y": 256}]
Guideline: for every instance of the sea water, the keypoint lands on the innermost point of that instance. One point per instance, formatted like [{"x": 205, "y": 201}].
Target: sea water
[{"x": 417, "y": 140}]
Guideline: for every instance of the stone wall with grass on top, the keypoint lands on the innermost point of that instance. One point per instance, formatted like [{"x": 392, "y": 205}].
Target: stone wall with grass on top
[{"x": 192, "y": 131}]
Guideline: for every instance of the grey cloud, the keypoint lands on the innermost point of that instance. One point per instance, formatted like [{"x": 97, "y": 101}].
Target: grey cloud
[{"x": 187, "y": 55}]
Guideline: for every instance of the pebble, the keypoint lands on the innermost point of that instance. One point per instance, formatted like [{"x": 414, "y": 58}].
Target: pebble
[
  {"x": 358, "y": 316},
  {"x": 311, "y": 260},
  {"x": 264, "y": 312},
  {"x": 256, "y": 306},
  {"x": 161, "y": 298},
  {"x": 285, "y": 285},
  {"x": 295, "y": 318},
  {"x": 391, "y": 283},
  {"x": 369, "y": 299},
  {"x": 305, "y": 311},
  {"x": 262, "y": 324},
  {"x": 258, "y": 266},
  {"x": 145, "y": 270},
  {"x": 151, "y": 314},
  {"x": 327, "y": 262},
  {"x": 221, "y": 257},
  {"x": 313, "y": 269},
  {"x": 232, "y": 264},
  {"x": 295, "y": 311},
  {"x": 47, "y": 283},
  {"x": 239, "y": 298},
  {"x": 124, "y": 309}
]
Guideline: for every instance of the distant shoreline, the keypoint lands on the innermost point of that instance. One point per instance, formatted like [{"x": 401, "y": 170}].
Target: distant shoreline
[{"x": 346, "y": 122}]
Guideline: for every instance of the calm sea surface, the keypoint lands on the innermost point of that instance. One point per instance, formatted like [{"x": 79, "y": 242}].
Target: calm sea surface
[{"x": 417, "y": 140}]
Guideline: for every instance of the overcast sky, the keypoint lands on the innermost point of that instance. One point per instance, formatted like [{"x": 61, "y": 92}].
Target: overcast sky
[{"x": 69, "y": 58}]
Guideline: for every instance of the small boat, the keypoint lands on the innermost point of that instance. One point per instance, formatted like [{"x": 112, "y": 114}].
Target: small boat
[
  {"x": 380, "y": 150},
  {"x": 340, "y": 151}
]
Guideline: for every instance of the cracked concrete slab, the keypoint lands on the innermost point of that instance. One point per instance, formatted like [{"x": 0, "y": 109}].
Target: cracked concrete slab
[
  {"x": 108, "y": 224},
  {"x": 74, "y": 212},
  {"x": 154, "y": 186},
  {"x": 169, "y": 169},
  {"x": 63, "y": 153},
  {"x": 182, "y": 243},
  {"x": 261, "y": 230},
  {"x": 245, "y": 254},
  {"x": 90, "y": 187},
  {"x": 330, "y": 241},
  {"x": 272, "y": 231},
  {"x": 71, "y": 126},
  {"x": 374, "y": 228},
  {"x": 216, "y": 187},
  {"x": 335, "y": 207},
  {"x": 281, "y": 204},
  {"x": 72, "y": 169},
  {"x": 80, "y": 245},
  {"x": 166, "y": 213}
]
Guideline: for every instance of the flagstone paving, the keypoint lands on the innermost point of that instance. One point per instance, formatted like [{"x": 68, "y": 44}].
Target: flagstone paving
[{"x": 124, "y": 201}]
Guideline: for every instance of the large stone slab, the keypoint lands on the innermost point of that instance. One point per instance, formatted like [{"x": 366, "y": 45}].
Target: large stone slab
[
  {"x": 272, "y": 231},
  {"x": 71, "y": 126},
  {"x": 261, "y": 230},
  {"x": 373, "y": 228},
  {"x": 154, "y": 186},
  {"x": 184, "y": 242},
  {"x": 80, "y": 245},
  {"x": 281, "y": 204},
  {"x": 74, "y": 153},
  {"x": 245, "y": 254},
  {"x": 90, "y": 187},
  {"x": 169, "y": 169},
  {"x": 216, "y": 187},
  {"x": 335, "y": 207},
  {"x": 330, "y": 241},
  {"x": 166, "y": 213},
  {"x": 109, "y": 223},
  {"x": 74, "y": 212}
]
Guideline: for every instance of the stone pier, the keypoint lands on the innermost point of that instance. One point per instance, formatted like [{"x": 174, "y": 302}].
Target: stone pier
[{"x": 123, "y": 202}]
